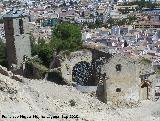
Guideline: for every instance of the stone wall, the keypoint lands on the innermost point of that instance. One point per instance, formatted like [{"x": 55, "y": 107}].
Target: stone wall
[
  {"x": 123, "y": 81},
  {"x": 9, "y": 32},
  {"x": 17, "y": 44},
  {"x": 122, "y": 84},
  {"x": 69, "y": 62},
  {"x": 22, "y": 41}
]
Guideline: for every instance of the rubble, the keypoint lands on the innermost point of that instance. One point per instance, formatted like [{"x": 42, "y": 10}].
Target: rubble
[{"x": 44, "y": 98}]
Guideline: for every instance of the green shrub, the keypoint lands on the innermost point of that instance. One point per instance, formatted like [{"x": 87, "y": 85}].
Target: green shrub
[
  {"x": 145, "y": 61},
  {"x": 66, "y": 38},
  {"x": 35, "y": 70},
  {"x": 158, "y": 71}
]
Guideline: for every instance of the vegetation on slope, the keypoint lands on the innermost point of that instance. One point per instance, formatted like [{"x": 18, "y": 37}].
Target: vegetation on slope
[
  {"x": 142, "y": 4},
  {"x": 145, "y": 61},
  {"x": 65, "y": 37}
]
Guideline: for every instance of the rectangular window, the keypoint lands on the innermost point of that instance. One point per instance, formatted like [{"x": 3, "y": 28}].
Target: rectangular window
[{"x": 21, "y": 26}]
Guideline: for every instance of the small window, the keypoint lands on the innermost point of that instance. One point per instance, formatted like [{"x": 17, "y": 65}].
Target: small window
[
  {"x": 21, "y": 26},
  {"x": 118, "y": 67},
  {"x": 118, "y": 90}
]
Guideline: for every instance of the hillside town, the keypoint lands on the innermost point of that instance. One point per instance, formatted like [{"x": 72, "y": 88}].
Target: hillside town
[{"x": 91, "y": 60}]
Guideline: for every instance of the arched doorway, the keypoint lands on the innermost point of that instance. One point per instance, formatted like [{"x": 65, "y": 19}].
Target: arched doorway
[
  {"x": 145, "y": 90},
  {"x": 82, "y": 73}
]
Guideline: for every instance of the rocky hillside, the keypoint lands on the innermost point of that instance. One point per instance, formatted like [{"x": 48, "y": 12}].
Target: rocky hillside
[{"x": 42, "y": 100}]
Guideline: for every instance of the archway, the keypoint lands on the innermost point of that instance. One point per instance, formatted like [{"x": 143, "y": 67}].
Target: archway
[
  {"x": 145, "y": 90},
  {"x": 82, "y": 73}
]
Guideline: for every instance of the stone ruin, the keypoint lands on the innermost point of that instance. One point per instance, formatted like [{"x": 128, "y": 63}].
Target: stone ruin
[{"x": 119, "y": 79}]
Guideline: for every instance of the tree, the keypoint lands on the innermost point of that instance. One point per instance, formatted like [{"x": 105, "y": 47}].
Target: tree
[
  {"x": 142, "y": 3},
  {"x": 132, "y": 18},
  {"x": 66, "y": 36},
  {"x": 43, "y": 50},
  {"x": 34, "y": 46},
  {"x": 45, "y": 54},
  {"x": 97, "y": 24}
]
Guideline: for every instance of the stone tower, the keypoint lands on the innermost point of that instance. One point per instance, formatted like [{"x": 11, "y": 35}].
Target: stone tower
[{"x": 17, "y": 37}]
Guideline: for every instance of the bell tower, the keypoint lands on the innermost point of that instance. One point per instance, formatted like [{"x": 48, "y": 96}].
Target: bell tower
[{"x": 17, "y": 37}]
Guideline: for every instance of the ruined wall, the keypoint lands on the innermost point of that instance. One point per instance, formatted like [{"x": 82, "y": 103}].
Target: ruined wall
[
  {"x": 122, "y": 85},
  {"x": 17, "y": 44},
  {"x": 68, "y": 63},
  {"x": 22, "y": 41},
  {"x": 155, "y": 90},
  {"x": 127, "y": 80},
  {"x": 9, "y": 32},
  {"x": 99, "y": 58}
]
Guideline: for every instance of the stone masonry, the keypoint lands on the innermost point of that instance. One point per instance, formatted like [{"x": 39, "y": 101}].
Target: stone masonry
[
  {"x": 17, "y": 37},
  {"x": 74, "y": 58},
  {"x": 122, "y": 82}
]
